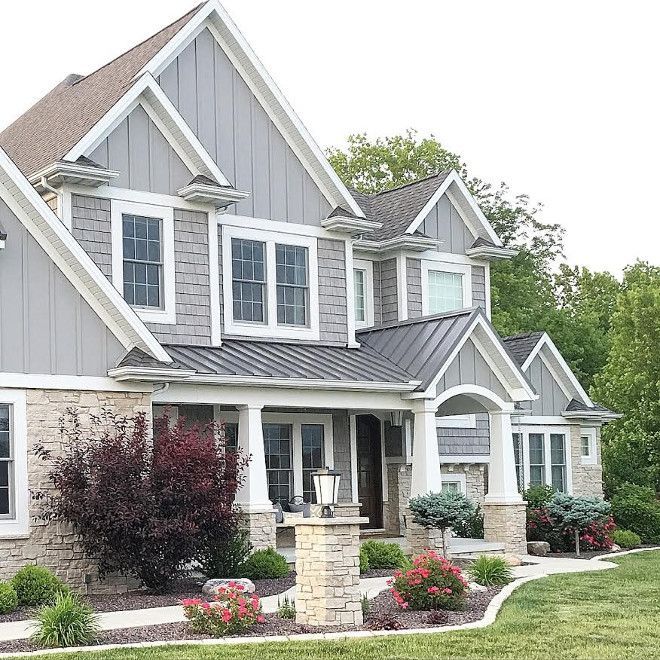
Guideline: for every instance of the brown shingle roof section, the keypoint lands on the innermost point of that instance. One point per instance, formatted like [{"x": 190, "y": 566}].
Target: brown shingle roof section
[{"x": 56, "y": 123}]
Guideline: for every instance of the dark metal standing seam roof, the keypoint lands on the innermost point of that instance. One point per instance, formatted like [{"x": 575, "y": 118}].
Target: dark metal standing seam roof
[{"x": 521, "y": 346}]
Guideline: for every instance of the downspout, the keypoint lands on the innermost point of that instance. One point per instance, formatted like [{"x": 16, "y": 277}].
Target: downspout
[{"x": 43, "y": 182}]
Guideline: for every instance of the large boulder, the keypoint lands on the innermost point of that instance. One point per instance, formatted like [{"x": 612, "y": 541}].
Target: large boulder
[
  {"x": 212, "y": 587},
  {"x": 538, "y": 548}
]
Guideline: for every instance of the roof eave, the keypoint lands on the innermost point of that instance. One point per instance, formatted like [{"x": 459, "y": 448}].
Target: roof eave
[
  {"x": 149, "y": 374},
  {"x": 593, "y": 415},
  {"x": 404, "y": 242},
  {"x": 61, "y": 172},
  {"x": 350, "y": 225},
  {"x": 491, "y": 253},
  {"x": 219, "y": 196}
]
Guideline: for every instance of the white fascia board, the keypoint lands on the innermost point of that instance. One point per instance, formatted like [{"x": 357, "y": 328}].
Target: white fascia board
[
  {"x": 214, "y": 17},
  {"x": 406, "y": 243},
  {"x": 146, "y": 92},
  {"x": 491, "y": 253},
  {"x": 75, "y": 263},
  {"x": 546, "y": 341},
  {"x": 454, "y": 179}
]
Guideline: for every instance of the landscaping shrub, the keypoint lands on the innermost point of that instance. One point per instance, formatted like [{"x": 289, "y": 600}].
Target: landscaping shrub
[
  {"x": 8, "y": 598},
  {"x": 441, "y": 511},
  {"x": 538, "y": 496},
  {"x": 383, "y": 555},
  {"x": 491, "y": 570},
  {"x": 472, "y": 527},
  {"x": 264, "y": 565},
  {"x": 224, "y": 558},
  {"x": 232, "y": 611},
  {"x": 636, "y": 508},
  {"x": 145, "y": 509},
  {"x": 36, "y": 585},
  {"x": 364, "y": 560},
  {"x": 287, "y": 609},
  {"x": 624, "y": 538},
  {"x": 432, "y": 583},
  {"x": 67, "y": 622}
]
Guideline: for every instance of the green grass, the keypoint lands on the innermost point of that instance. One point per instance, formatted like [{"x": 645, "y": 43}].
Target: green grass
[{"x": 609, "y": 614}]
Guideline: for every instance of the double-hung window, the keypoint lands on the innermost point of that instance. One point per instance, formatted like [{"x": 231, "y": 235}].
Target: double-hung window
[
  {"x": 541, "y": 457},
  {"x": 536, "y": 455},
  {"x": 270, "y": 284},
  {"x": 363, "y": 297},
  {"x": 143, "y": 266},
  {"x": 6, "y": 463},
  {"x": 588, "y": 453},
  {"x": 445, "y": 287}
]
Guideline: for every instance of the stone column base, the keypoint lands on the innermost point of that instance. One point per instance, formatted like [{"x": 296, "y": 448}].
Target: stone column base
[
  {"x": 421, "y": 538},
  {"x": 328, "y": 571},
  {"x": 506, "y": 523},
  {"x": 261, "y": 529}
]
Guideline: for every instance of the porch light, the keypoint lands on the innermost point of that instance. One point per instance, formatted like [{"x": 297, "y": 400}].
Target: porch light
[
  {"x": 396, "y": 418},
  {"x": 326, "y": 485}
]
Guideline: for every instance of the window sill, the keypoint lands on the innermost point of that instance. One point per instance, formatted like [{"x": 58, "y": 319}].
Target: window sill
[
  {"x": 162, "y": 316},
  {"x": 271, "y": 332}
]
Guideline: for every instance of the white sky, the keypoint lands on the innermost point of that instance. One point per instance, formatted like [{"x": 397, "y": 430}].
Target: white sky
[{"x": 560, "y": 99}]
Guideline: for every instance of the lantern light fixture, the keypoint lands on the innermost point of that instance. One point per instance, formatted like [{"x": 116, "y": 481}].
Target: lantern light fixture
[{"x": 326, "y": 485}]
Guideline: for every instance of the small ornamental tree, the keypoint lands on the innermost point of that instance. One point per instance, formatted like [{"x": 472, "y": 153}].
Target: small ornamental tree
[
  {"x": 441, "y": 511},
  {"x": 577, "y": 513},
  {"x": 142, "y": 507}
]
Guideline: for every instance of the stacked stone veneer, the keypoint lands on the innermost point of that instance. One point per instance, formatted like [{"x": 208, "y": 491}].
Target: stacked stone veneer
[
  {"x": 587, "y": 477},
  {"x": 328, "y": 571},
  {"x": 50, "y": 544},
  {"x": 506, "y": 523},
  {"x": 261, "y": 528},
  {"x": 421, "y": 538}
]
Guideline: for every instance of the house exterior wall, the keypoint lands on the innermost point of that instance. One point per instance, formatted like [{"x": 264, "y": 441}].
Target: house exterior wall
[
  {"x": 342, "y": 453},
  {"x": 479, "y": 287},
  {"x": 445, "y": 224},
  {"x": 552, "y": 400},
  {"x": 466, "y": 442},
  {"x": 234, "y": 128},
  {"x": 414, "y": 284},
  {"x": 49, "y": 544},
  {"x": 333, "y": 321},
  {"x": 91, "y": 227},
  {"x": 389, "y": 311},
  {"x": 46, "y": 326},
  {"x": 377, "y": 294},
  {"x": 142, "y": 156},
  {"x": 587, "y": 477}
]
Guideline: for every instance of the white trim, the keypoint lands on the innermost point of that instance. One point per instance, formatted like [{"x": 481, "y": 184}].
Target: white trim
[
  {"x": 146, "y": 92},
  {"x": 546, "y": 420},
  {"x": 62, "y": 382},
  {"x": 166, "y": 315},
  {"x": 367, "y": 266},
  {"x": 454, "y": 477},
  {"x": 214, "y": 17},
  {"x": 591, "y": 434},
  {"x": 214, "y": 281},
  {"x": 546, "y": 341},
  {"x": 486, "y": 396},
  {"x": 455, "y": 179},
  {"x": 489, "y": 308},
  {"x": 352, "y": 435},
  {"x": 276, "y": 226},
  {"x": 446, "y": 257},
  {"x": 385, "y": 490},
  {"x": 270, "y": 328},
  {"x": 351, "y": 323},
  {"x": 402, "y": 286},
  {"x": 464, "y": 459},
  {"x": 19, "y": 524},
  {"x": 468, "y": 421},
  {"x": 445, "y": 267},
  {"x": 76, "y": 265}
]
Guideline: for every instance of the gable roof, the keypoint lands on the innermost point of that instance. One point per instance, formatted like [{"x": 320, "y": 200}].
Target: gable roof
[
  {"x": 57, "y": 122},
  {"x": 76, "y": 265},
  {"x": 520, "y": 346}
]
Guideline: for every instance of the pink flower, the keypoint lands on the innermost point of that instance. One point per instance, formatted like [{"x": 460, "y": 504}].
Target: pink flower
[
  {"x": 433, "y": 590},
  {"x": 261, "y": 619},
  {"x": 226, "y": 616}
]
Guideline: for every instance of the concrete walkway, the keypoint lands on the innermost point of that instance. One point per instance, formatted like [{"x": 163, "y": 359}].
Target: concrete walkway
[{"x": 537, "y": 567}]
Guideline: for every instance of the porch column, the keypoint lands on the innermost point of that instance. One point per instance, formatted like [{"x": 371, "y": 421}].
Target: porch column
[
  {"x": 253, "y": 494},
  {"x": 425, "y": 476},
  {"x": 504, "y": 508}
]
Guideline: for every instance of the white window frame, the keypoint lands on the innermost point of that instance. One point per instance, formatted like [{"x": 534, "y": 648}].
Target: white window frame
[
  {"x": 367, "y": 267},
  {"x": 296, "y": 420},
  {"x": 592, "y": 458},
  {"x": 456, "y": 422},
  {"x": 446, "y": 267},
  {"x": 546, "y": 431},
  {"x": 18, "y": 524},
  {"x": 167, "y": 314},
  {"x": 453, "y": 477},
  {"x": 270, "y": 328}
]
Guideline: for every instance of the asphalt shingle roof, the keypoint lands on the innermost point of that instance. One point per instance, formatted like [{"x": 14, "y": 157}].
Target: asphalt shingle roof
[
  {"x": 520, "y": 346},
  {"x": 57, "y": 122}
]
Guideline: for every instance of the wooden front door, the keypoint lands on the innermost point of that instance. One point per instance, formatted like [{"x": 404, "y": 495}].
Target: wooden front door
[{"x": 369, "y": 467}]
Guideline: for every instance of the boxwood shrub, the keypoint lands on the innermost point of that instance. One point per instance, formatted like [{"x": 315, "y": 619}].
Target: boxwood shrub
[{"x": 265, "y": 565}]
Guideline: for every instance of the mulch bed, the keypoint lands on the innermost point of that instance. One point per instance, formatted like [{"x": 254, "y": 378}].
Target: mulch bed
[
  {"x": 141, "y": 599},
  {"x": 384, "y": 614}
]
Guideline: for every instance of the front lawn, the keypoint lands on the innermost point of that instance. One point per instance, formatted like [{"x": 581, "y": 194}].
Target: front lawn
[{"x": 609, "y": 614}]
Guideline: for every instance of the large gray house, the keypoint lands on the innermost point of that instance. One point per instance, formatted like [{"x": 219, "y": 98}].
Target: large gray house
[{"x": 172, "y": 236}]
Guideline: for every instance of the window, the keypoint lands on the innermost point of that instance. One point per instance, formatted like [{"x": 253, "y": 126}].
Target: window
[
  {"x": 363, "y": 297},
  {"x": 292, "y": 286},
  {"x": 558, "y": 461},
  {"x": 517, "y": 453},
  {"x": 536, "y": 459},
  {"x": 231, "y": 435},
  {"x": 585, "y": 446},
  {"x": 312, "y": 458},
  {"x": 445, "y": 291},
  {"x": 270, "y": 284},
  {"x": 248, "y": 280},
  {"x": 451, "y": 487},
  {"x": 143, "y": 266},
  {"x": 445, "y": 286},
  {"x": 278, "y": 446},
  {"x": 6, "y": 463},
  {"x": 588, "y": 446},
  {"x": 453, "y": 483}
]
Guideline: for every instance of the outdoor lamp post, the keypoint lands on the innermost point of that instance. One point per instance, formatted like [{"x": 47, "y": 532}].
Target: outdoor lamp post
[{"x": 326, "y": 485}]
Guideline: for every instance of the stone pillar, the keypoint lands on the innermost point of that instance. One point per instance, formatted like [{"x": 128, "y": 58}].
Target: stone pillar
[
  {"x": 253, "y": 494},
  {"x": 504, "y": 508},
  {"x": 328, "y": 571},
  {"x": 425, "y": 476}
]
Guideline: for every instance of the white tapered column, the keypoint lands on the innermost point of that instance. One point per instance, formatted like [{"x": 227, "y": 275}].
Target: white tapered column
[
  {"x": 426, "y": 457},
  {"x": 502, "y": 480}
]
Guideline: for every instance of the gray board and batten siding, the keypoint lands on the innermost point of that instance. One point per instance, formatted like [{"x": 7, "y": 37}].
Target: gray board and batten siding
[
  {"x": 444, "y": 223},
  {"x": 552, "y": 401},
  {"x": 235, "y": 129},
  {"x": 46, "y": 327}
]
